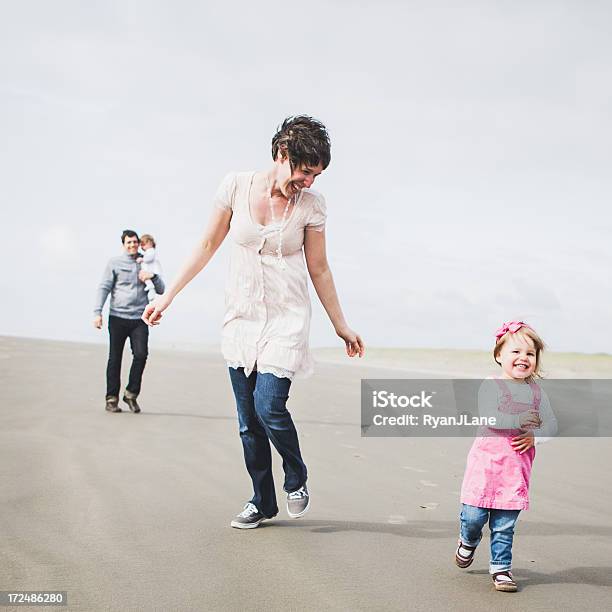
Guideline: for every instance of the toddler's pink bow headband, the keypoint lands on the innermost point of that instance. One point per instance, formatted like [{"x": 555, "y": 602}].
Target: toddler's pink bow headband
[{"x": 510, "y": 326}]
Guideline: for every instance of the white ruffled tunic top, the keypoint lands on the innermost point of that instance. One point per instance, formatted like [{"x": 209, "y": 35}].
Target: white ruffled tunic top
[{"x": 267, "y": 304}]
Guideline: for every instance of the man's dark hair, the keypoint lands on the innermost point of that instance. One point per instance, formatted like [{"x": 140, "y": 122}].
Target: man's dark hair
[
  {"x": 304, "y": 139},
  {"x": 129, "y": 234}
]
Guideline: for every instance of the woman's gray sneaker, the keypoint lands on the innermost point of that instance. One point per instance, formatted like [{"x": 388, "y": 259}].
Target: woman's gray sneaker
[
  {"x": 298, "y": 502},
  {"x": 249, "y": 518}
]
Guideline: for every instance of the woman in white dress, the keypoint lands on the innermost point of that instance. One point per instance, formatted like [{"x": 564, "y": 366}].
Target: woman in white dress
[{"x": 277, "y": 226}]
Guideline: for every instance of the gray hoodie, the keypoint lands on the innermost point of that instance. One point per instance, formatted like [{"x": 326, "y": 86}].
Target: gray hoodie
[{"x": 128, "y": 292}]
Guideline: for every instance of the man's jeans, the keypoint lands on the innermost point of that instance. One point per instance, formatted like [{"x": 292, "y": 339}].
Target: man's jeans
[
  {"x": 501, "y": 524},
  {"x": 263, "y": 418},
  {"x": 120, "y": 330}
]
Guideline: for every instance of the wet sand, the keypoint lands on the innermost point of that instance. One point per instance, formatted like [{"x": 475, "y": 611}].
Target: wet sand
[{"x": 131, "y": 512}]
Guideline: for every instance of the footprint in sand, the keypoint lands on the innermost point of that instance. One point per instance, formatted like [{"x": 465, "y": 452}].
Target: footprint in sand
[
  {"x": 397, "y": 519},
  {"x": 428, "y": 483},
  {"x": 413, "y": 469},
  {"x": 429, "y": 505}
]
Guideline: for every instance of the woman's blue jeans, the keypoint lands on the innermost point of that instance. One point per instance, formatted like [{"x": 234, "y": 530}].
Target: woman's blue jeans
[
  {"x": 263, "y": 417},
  {"x": 501, "y": 524}
]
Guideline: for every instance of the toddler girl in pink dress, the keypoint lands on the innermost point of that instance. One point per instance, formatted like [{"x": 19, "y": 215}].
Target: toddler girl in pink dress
[{"x": 496, "y": 481}]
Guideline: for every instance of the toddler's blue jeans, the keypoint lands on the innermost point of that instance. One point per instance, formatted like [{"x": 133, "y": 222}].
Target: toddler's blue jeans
[{"x": 501, "y": 524}]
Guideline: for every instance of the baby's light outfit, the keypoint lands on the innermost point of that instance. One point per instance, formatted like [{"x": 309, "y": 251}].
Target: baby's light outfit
[{"x": 151, "y": 264}]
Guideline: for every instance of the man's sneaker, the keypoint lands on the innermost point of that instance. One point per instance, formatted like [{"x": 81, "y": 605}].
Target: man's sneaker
[
  {"x": 298, "y": 502},
  {"x": 112, "y": 404},
  {"x": 249, "y": 518},
  {"x": 130, "y": 400}
]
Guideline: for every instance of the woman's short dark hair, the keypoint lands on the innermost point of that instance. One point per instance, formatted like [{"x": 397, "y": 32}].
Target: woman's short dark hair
[
  {"x": 129, "y": 234},
  {"x": 304, "y": 139}
]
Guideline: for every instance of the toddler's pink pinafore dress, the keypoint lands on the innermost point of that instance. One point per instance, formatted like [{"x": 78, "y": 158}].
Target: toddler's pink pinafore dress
[{"x": 496, "y": 475}]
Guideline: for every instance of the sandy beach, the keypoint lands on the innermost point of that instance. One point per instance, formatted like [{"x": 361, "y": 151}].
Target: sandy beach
[{"x": 132, "y": 512}]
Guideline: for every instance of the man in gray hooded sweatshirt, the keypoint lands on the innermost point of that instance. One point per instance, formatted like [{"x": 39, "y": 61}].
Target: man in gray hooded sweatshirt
[{"x": 125, "y": 282}]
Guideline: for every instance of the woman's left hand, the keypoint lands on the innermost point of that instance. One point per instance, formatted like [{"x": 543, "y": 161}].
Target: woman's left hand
[
  {"x": 354, "y": 344},
  {"x": 523, "y": 442}
]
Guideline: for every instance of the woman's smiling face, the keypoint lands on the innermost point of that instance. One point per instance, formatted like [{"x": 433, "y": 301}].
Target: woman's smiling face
[
  {"x": 305, "y": 176},
  {"x": 292, "y": 181},
  {"x": 518, "y": 357}
]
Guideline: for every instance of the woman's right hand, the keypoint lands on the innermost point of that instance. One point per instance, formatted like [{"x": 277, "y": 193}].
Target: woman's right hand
[{"x": 153, "y": 312}]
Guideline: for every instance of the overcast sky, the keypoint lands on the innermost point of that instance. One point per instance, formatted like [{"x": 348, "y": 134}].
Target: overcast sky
[{"x": 470, "y": 180}]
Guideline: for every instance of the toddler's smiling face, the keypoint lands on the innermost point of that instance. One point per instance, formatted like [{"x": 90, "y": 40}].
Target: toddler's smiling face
[{"x": 518, "y": 357}]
